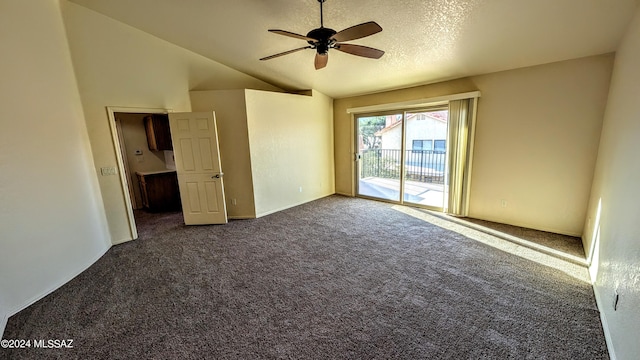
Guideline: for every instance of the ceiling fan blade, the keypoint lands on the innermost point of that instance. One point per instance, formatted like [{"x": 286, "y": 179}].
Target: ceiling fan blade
[
  {"x": 360, "y": 50},
  {"x": 358, "y": 31},
  {"x": 286, "y": 53},
  {"x": 321, "y": 60},
  {"x": 293, "y": 35}
]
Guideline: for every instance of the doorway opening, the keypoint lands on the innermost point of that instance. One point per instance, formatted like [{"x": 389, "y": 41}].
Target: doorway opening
[
  {"x": 145, "y": 160},
  {"x": 402, "y": 156}
]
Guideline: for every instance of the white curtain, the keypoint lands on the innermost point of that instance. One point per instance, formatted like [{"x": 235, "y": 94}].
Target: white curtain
[{"x": 460, "y": 153}]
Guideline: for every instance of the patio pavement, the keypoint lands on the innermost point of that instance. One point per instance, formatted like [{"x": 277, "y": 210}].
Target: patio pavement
[{"x": 415, "y": 192}]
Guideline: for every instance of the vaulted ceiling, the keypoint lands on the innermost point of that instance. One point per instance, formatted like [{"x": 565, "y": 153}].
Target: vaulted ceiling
[{"x": 425, "y": 40}]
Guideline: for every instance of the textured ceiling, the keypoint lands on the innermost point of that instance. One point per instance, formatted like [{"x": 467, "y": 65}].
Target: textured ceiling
[{"x": 425, "y": 40}]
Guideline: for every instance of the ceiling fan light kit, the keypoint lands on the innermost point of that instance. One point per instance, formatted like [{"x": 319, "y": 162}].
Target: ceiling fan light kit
[{"x": 323, "y": 39}]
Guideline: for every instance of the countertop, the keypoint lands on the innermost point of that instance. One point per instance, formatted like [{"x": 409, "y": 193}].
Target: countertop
[{"x": 145, "y": 173}]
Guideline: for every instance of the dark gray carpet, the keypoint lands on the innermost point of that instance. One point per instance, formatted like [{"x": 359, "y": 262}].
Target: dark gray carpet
[
  {"x": 569, "y": 245},
  {"x": 335, "y": 278}
]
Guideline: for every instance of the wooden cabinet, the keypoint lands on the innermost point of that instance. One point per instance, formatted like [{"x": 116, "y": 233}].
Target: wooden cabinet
[
  {"x": 158, "y": 132},
  {"x": 159, "y": 191}
]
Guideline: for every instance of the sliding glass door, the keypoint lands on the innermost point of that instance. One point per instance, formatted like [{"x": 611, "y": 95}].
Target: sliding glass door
[
  {"x": 402, "y": 156},
  {"x": 425, "y": 157},
  {"x": 379, "y": 145}
]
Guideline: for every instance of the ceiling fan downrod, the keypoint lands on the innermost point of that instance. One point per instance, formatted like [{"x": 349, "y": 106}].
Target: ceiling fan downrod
[
  {"x": 321, "y": 14},
  {"x": 322, "y": 35}
]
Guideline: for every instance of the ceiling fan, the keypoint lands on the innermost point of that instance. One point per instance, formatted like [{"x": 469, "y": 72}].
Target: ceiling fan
[{"x": 322, "y": 39}]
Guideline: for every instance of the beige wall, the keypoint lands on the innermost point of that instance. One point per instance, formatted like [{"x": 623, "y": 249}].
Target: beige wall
[
  {"x": 271, "y": 145},
  {"x": 615, "y": 255},
  {"x": 135, "y": 138},
  {"x": 291, "y": 143},
  {"x": 52, "y": 223},
  {"x": 233, "y": 138},
  {"x": 536, "y": 140},
  {"x": 117, "y": 65}
]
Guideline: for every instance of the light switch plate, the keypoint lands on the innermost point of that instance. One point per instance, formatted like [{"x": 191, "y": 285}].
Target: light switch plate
[{"x": 106, "y": 171}]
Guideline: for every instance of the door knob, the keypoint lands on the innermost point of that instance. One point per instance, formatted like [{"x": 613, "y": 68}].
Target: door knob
[{"x": 217, "y": 176}]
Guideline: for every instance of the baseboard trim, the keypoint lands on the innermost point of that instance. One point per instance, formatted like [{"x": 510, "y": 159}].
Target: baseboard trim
[
  {"x": 292, "y": 205},
  {"x": 241, "y": 217},
  {"x": 525, "y": 225},
  {"x": 118, "y": 242},
  {"x": 344, "y": 194},
  {"x": 57, "y": 285},
  {"x": 516, "y": 240},
  {"x": 605, "y": 324},
  {"x": 4, "y": 318}
]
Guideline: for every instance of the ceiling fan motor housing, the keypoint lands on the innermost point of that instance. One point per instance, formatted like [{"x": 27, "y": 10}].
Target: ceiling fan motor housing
[{"x": 323, "y": 36}]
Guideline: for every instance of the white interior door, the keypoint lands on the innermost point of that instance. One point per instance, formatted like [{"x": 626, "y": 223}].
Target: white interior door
[{"x": 195, "y": 147}]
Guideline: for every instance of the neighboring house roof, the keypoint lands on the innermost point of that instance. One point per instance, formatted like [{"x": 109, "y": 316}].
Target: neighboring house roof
[{"x": 412, "y": 116}]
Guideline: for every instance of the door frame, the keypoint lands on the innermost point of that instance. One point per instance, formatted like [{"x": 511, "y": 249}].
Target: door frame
[
  {"x": 123, "y": 170},
  {"x": 356, "y": 133},
  {"x": 403, "y": 142}
]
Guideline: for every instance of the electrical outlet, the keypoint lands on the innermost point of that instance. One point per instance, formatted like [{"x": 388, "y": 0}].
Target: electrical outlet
[
  {"x": 106, "y": 171},
  {"x": 503, "y": 203},
  {"x": 234, "y": 202},
  {"x": 300, "y": 190}
]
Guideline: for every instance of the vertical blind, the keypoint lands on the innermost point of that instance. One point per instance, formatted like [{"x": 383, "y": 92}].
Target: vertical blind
[{"x": 461, "y": 129}]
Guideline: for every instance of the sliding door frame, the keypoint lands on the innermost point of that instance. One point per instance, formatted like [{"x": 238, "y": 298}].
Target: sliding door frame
[
  {"x": 431, "y": 108},
  {"x": 403, "y": 112},
  {"x": 412, "y": 105},
  {"x": 357, "y": 159}
]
